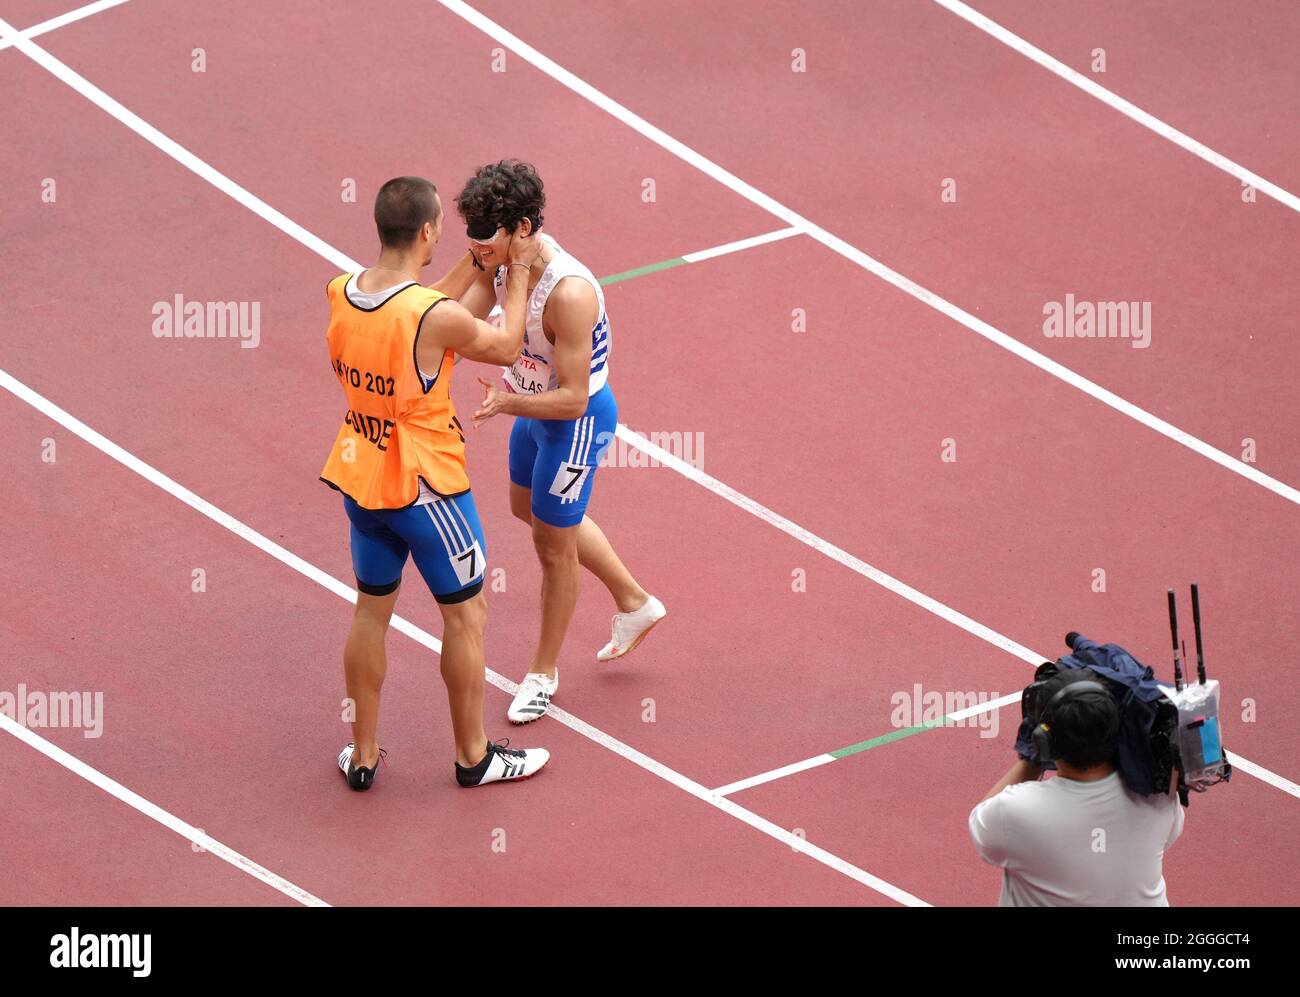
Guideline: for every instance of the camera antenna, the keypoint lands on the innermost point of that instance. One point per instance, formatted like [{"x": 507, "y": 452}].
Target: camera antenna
[
  {"x": 1173, "y": 630},
  {"x": 1196, "y": 623}
]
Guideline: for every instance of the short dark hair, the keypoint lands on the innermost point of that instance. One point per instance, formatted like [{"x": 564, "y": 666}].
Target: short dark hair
[
  {"x": 503, "y": 194},
  {"x": 1084, "y": 728},
  {"x": 402, "y": 206}
]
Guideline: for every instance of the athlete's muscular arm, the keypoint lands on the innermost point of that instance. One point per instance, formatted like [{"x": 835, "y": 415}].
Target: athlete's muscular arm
[
  {"x": 459, "y": 278},
  {"x": 571, "y": 313},
  {"x": 450, "y": 326},
  {"x": 479, "y": 297}
]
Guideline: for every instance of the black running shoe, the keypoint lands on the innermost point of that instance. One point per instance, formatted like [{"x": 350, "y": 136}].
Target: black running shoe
[
  {"x": 359, "y": 778},
  {"x": 502, "y": 763}
]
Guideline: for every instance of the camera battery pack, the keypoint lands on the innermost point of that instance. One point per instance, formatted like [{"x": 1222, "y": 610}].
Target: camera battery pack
[{"x": 1200, "y": 737}]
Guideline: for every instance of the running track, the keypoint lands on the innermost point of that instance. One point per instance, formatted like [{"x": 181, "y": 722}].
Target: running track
[{"x": 222, "y": 706}]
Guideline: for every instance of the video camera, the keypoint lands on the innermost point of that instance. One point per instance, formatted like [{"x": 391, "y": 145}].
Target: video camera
[{"x": 1161, "y": 729}]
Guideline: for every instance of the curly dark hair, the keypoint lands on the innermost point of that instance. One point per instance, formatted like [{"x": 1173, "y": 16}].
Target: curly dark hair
[{"x": 503, "y": 193}]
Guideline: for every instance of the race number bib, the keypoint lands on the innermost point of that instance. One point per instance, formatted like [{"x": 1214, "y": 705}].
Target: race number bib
[
  {"x": 469, "y": 564},
  {"x": 569, "y": 480}
]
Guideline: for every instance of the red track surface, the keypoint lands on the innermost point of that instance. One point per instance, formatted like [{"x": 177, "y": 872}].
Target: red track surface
[{"x": 222, "y": 706}]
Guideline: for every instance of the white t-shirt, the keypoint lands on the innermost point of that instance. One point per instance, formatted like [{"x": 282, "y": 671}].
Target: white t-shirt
[{"x": 1064, "y": 843}]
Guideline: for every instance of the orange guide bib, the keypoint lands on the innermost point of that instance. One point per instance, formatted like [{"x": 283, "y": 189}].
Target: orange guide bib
[{"x": 400, "y": 427}]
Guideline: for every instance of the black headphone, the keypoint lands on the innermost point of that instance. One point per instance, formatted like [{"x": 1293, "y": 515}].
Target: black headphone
[{"x": 1043, "y": 732}]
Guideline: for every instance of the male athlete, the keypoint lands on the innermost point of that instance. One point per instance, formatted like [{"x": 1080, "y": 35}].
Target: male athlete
[
  {"x": 399, "y": 461},
  {"x": 565, "y": 417}
]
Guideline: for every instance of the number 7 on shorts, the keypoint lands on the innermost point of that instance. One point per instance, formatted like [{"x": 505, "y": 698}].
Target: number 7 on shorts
[{"x": 568, "y": 482}]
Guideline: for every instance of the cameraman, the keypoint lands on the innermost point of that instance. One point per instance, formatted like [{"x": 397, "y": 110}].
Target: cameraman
[{"x": 1081, "y": 839}]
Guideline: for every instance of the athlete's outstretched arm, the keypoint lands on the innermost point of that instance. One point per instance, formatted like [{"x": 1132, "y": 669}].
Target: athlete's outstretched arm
[
  {"x": 479, "y": 297},
  {"x": 571, "y": 313},
  {"x": 456, "y": 281},
  {"x": 448, "y": 326}
]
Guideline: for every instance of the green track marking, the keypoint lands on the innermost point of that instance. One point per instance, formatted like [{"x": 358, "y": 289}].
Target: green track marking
[
  {"x": 642, "y": 271},
  {"x": 895, "y": 735}
]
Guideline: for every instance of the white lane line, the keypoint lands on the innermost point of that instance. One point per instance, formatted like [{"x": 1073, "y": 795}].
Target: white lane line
[
  {"x": 825, "y": 547},
  {"x": 151, "y": 810},
  {"x": 178, "y": 152},
  {"x": 1259, "y": 772},
  {"x": 242, "y": 530},
  {"x": 62, "y": 19},
  {"x": 700, "y": 792},
  {"x": 991, "y": 705},
  {"x": 816, "y": 760},
  {"x": 838, "y": 245},
  {"x": 781, "y": 773},
  {"x": 739, "y": 244},
  {"x": 1107, "y": 97},
  {"x": 703, "y": 254}
]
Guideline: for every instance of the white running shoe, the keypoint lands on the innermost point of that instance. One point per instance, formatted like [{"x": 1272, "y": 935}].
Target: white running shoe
[
  {"x": 533, "y": 698},
  {"x": 629, "y": 629},
  {"x": 503, "y": 763}
]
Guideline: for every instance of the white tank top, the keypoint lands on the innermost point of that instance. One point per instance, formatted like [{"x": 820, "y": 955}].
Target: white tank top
[{"x": 534, "y": 371}]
